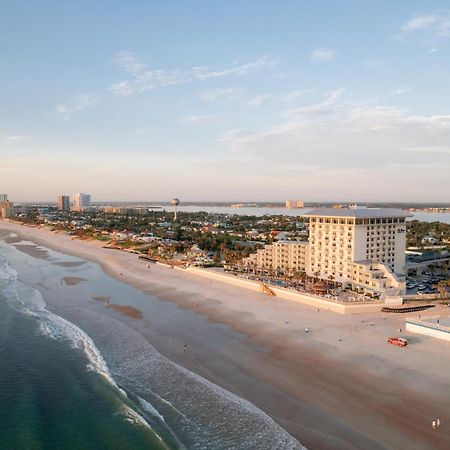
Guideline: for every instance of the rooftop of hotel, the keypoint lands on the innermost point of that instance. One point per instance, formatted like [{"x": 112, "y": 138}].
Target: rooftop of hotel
[{"x": 358, "y": 213}]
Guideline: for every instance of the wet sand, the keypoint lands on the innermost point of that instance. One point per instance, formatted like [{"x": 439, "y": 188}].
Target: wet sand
[
  {"x": 73, "y": 281},
  {"x": 128, "y": 311},
  {"x": 69, "y": 263},
  {"x": 33, "y": 251},
  {"x": 338, "y": 386},
  {"x": 100, "y": 298}
]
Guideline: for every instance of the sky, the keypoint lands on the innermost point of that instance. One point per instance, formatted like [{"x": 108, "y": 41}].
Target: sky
[{"x": 207, "y": 100}]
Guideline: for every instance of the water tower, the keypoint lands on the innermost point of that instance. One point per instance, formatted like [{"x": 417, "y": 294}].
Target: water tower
[{"x": 175, "y": 202}]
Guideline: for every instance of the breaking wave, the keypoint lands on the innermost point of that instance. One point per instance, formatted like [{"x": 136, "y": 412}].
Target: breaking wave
[
  {"x": 204, "y": 415},
  {"x": 29, "y": 301}
]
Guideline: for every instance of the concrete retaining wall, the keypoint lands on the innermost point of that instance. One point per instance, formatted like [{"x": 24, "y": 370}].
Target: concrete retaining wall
[
  {"x": 428, "y": 329},
  {"x": 285, "y": 294}
]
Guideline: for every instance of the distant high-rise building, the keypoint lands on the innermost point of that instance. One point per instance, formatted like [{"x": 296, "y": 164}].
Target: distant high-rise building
[
  {"x": 81, "y": 201},
  {"x": 63, "y": 202},
  {"x": 294, "y": 204},
  {"x": 6, "y": 207}
]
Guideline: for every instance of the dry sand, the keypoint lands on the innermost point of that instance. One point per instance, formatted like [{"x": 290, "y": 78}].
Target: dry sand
[{"x": 338, "y": 386}]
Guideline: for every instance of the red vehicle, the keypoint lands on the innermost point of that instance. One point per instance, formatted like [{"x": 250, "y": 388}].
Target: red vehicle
[{"x": 398, "y": 341}]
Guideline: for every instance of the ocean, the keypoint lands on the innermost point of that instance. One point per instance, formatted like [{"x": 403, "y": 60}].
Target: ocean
[{"x": 74, "y": 376}]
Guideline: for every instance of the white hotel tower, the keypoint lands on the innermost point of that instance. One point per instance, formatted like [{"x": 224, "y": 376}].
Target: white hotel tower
[{"x": 364, "y": 247}]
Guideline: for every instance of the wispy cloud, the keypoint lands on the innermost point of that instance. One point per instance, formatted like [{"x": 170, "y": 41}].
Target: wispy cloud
[
  {"x": 202, "y": 120},
  {"x": 264, "y": 99},
  {"x": 341, "y": 133},
  {"x": 322, "y": 55},
  {"x": 144, "y": 78},
  {"x": 76, "y": 104},
  {"x": 210, "y": 95},
  {"x": 205, "y": 73},
  {"x": 247, "y": 99},
  {"x": 14, "y": 138},
  {"x": 402, "y": 90},
  {"x": 436, "y": 25}
]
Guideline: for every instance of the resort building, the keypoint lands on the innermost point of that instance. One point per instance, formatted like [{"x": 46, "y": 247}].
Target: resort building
[
  {"x": 63, "y": 202},
  {"x": 282, "y": 257},
  {"x": 361, "y": 248},
  {"x": 81, "y": 201},
  {"x": 294, "y": 204}
]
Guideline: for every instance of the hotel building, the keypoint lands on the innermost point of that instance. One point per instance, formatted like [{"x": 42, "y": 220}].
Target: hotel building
[
  {"x": 81, "y": 201},
  {"x": 281, "y": 257},
  {"x": 358, "y": 247}
]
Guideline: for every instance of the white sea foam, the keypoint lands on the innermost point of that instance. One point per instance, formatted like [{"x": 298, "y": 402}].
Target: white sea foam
[
  {"x": 150, "y": 408},
  {"x": 7, "y": 273},
  {"x": 208, "y": 425},
  {"x": 56, "y": 327},
  {"x": 133, "y": 417},
  {"x": 31, "y": 302}
]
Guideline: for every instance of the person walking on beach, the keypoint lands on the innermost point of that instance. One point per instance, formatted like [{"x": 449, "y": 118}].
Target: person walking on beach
[{"x": 185, "y": 348}]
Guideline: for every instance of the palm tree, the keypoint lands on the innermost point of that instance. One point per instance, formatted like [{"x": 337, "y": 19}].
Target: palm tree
[{"x": 331, "y": 280}]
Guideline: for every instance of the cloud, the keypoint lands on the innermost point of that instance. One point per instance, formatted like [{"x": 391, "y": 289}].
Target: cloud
[
  {"x": 435, "y": 25},
  {"x": 433, "y": 50},
  {"x": 201, "y": 120},
  {"x": 264, "y": 99},
  {"x": 204, "y": 73},
  {"x": 402, "y": 90},
  {"x": 322, "y": 55},
  {"x": 143, "y": 78},
  {"x": 13, "y": 139},
  {"x": 76, "y": 104},
  {"x": 232, "y": 94},
  {"x": 210, "y": 95},
  {"x": 340, "y": 133}
]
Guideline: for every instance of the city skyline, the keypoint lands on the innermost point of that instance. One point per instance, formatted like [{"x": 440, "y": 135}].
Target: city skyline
[{"x": 168, "y": 100}]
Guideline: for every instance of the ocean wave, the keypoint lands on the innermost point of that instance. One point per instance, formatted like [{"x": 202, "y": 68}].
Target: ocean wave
[
  {"x": 204, "y": 415},
  {"x": 150, "y": 408},
  {"x": 7, "y": 273},
  {"x": 133, "y": 417},
  {"x": 29, "y": 301}
]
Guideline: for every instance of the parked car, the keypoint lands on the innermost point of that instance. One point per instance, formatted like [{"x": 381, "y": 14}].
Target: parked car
[{"x": 398, "y": 341}]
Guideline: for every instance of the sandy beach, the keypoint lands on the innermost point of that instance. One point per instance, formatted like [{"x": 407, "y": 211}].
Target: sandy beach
[{"x": 338, "y": 386}]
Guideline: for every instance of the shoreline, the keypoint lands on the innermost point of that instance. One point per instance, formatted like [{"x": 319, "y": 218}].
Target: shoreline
[{"x": 359, "y": 395}]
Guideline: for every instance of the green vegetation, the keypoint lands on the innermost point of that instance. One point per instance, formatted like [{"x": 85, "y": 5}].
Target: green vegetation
[{"x": 423, "y": 234}]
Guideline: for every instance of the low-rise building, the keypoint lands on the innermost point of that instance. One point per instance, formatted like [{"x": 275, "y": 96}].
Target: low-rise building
[{"x": 284, "y": 257}]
